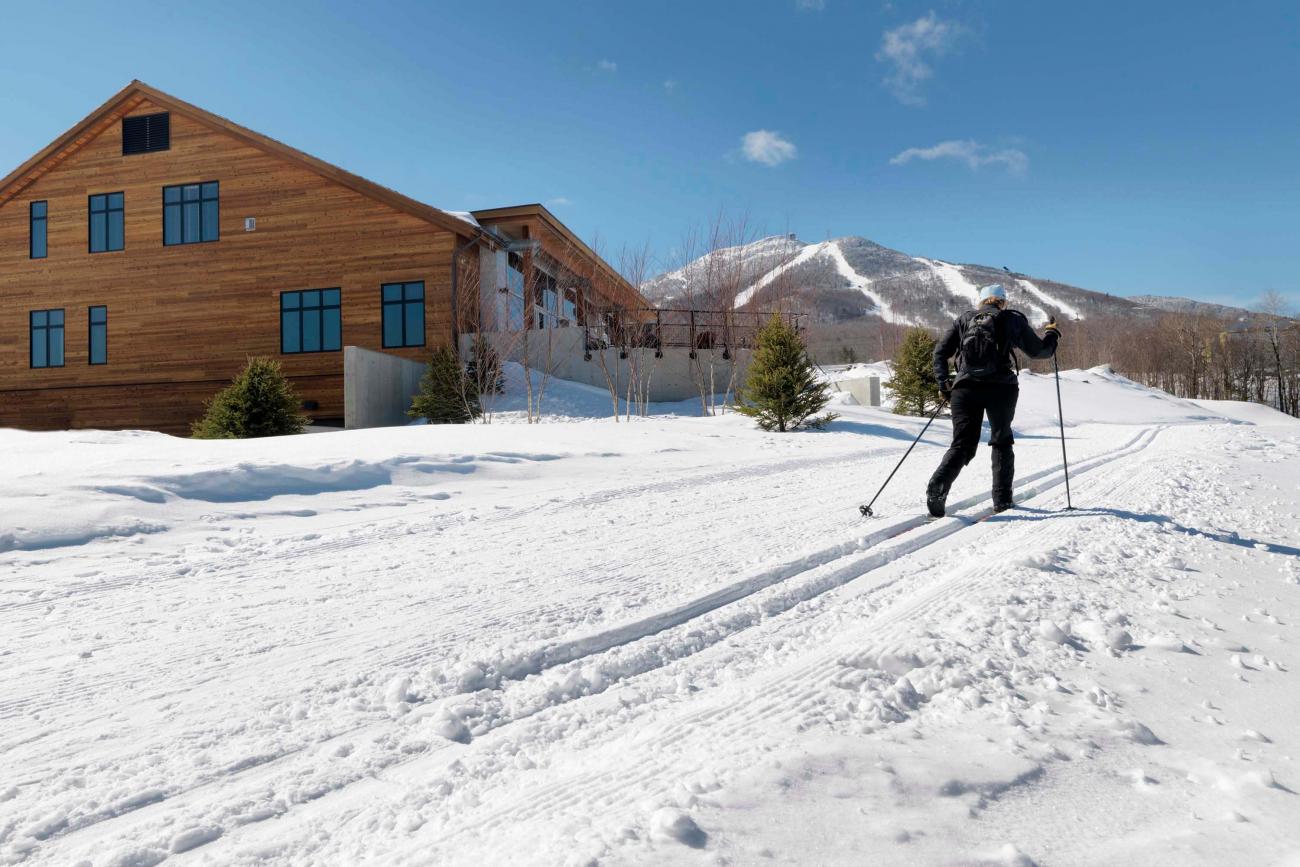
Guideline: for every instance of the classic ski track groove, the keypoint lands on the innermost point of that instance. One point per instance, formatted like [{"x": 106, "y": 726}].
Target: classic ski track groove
[
  {"x": 613, "y": 786},
  {"x": 571, "y": 651},
  {"x": 889, "y": 628}
]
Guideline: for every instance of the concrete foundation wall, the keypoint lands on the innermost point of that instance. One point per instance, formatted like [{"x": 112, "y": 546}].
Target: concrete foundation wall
[
  {"x": 675, "y": 376},
  {"x": 865, "y": 390},
  {"x": 377, "y": 388}
]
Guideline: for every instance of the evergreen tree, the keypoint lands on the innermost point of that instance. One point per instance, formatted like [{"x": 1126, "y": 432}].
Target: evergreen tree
[
  {"x": 484, "y": 367},
  {"x": 259, "y": 402},
  {"x": 447, "y": 394},
  {"x": 915, "y": 390},
  {"x": 782, "y": 390}
]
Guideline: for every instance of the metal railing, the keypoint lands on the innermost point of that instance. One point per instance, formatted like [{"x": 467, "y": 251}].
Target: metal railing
[{"x": 659, "y": 328}]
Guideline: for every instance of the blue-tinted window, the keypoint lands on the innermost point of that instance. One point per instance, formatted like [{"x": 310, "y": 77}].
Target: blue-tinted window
[
  {"x": 515, "y": 273},
  {"x": 311, "y": 321},
  {"x": 38, "y": 246},
  {"x": 191, "y": 213},
  {"x": 107, "y": 232},
  {"x": 515, "y": 312},
  {"x": 46, "y": 327},
  {"x": 98, "y": 335},
  {"x": 403, "y": 305}
]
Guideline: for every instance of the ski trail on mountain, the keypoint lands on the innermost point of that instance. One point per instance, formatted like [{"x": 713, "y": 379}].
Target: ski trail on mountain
[
  {"x": 1055, "y": 305},
  {"x": 863, "y": 284},
  {"x": 804, "y": 255},
  {"x": 951, "y": 277}
]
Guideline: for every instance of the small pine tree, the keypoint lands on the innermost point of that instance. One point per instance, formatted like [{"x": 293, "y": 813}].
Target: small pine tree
[
  {"x": 484, "y": 367},
  {"x": 259, "y": 402},
  {"x": 447, "y": 394},
  {"x": 781, "y": 389},
  {"x": 848, "y": 355},
  {"x": 913, "y": 385}
]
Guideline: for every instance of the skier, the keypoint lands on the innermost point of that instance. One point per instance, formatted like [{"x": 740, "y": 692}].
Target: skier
[{"x": 983, "y": 340}]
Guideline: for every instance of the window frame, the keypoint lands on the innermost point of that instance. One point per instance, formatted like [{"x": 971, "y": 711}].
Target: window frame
[
  {"x": 108, "y": 213},
  {"x": 44, "y": 221},
  {"x": 320, "y": 308},
  {"x": 91, "y": 324},
  {"x": 32, "y": 328},
  {"x": 180, "y": 205},
  {"x": 401, "y": 305}
]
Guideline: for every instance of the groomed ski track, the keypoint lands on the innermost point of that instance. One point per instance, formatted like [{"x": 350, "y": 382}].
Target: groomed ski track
[{"x": 507, "y": 695}]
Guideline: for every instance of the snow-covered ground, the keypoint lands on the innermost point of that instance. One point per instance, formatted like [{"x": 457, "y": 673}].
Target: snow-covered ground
[{"x": 670, "y": 641}]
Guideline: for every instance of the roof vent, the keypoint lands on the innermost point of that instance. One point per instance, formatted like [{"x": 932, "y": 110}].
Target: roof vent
[{"x": 146, "y": 133}]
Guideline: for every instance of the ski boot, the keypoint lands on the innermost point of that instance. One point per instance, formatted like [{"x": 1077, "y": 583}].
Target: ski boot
[{"x": 936, "y": 498}]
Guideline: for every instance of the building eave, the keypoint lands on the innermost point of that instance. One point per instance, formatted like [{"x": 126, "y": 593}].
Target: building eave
[{"x": 541, "y": 212}]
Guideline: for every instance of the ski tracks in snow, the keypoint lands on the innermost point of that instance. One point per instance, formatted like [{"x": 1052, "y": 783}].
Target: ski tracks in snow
[
  {"x": 790, "y": 696},
  {"x": 508, "y": 688},
  {"x": 885, "y": 667}
]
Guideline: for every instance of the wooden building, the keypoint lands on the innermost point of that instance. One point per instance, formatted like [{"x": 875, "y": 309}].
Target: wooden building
[{"x": 147, "y": 253}]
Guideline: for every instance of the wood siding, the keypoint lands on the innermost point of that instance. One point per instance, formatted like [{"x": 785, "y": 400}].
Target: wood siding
[{"x": 183, "y": 319}]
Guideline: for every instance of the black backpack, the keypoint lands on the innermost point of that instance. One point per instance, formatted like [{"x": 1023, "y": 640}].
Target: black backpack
[{"x": 982, "y": 354}]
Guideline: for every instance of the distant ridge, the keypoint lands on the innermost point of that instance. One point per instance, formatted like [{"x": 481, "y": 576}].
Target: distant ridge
[
  {"x": 1174, "y": 304},
  {"x": 852, "y": 278}
]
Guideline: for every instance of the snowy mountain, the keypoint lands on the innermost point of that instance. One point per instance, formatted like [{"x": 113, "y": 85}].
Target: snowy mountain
[{"x": 851, "y": 278}]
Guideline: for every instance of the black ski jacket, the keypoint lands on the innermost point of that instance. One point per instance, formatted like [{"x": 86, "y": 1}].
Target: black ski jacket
[{"x": 1014, "y": 332}]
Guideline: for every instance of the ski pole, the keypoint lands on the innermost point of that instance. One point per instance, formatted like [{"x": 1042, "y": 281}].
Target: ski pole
[
  {"x": 1060, "y": 417},
  {"x": 866, "y": 510}
]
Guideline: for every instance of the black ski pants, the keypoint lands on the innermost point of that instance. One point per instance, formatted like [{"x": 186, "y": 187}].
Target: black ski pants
[{"x": 970, "y": 402}]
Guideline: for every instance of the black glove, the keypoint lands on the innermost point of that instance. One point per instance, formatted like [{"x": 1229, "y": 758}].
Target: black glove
[
  {"x": 1052, "y": 328},
  {"x": 945, "y": 388}
]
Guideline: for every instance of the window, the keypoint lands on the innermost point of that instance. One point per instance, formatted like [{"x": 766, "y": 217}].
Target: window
[
  {"x": 545, "y": 299},
  {"x": 39, "y": 214},
  {"x": 515, "y": 313},
  {"x": 98, "y": 335},
  {"x": 514, "y": 289},
  {"x": 190, "y": 213},
  {"x": 47, "y": 338},
  {"x": 310, "y": 321},
  {"x": 106, "y": 232},
  {"x": 403, "y": 314},
  {"x": 146, "y": 133},
  {"x": 515, "y": 273}
]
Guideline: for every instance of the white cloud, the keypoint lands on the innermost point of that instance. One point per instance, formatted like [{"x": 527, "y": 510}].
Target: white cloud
[
  {"x": 605, "y": 65},
  {"x": 810, "y": 5},
  {"x": 559, "y": 202},
  {"x": 910, "y": 49},
  {"x": 670, "y": 85},
  {"x": 972, "y": 153},
  {"x": 767, "y": 147}
]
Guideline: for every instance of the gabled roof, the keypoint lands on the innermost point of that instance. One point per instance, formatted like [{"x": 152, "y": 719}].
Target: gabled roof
[
  {"x": 128, "y": 98},
  {"x": 488, "y": 216}
]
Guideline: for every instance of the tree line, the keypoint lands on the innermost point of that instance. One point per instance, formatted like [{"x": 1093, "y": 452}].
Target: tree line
[{"x": 1254, "y": 357}]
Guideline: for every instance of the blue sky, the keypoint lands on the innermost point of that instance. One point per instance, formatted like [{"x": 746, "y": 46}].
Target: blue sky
[{"x": 1124, "y": 147}]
